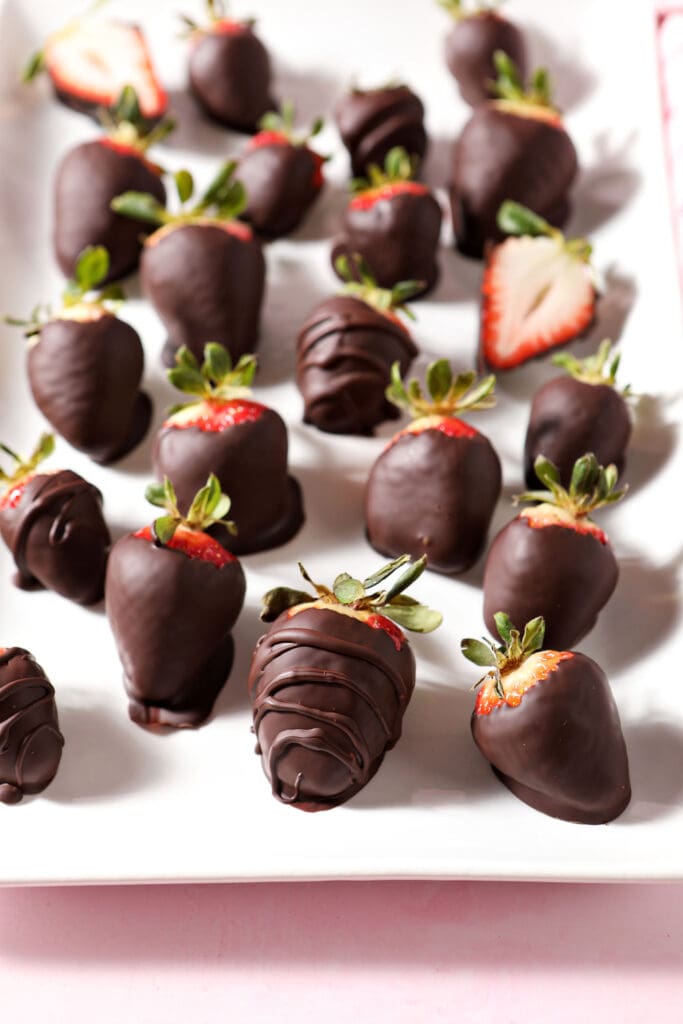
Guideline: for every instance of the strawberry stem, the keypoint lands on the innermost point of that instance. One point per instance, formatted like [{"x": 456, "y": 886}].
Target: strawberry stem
[
  {"x": 361, "y": 283},
  {"x": 216, "y": 379},
  {"x": 518, "y": 220},
  {"x": 460, "y": 12},
  {"x": 125, "y": 123},
  {"x": 283, "y": 122},
  {"x": 600, "y": 368},
  {"x": 209, "y": 506},
  {"x": 509, "y": 85},
  {"x": 24, "y": 466},
  {"x": 591, "y": 486},
  {"x": 398, "y": 166},
  {"x": 502, "y": 658},
  {"x": 224, "y": 200},
  {"x": 448, "y": 395}
]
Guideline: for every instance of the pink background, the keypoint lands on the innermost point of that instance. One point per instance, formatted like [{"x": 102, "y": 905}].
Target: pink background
[{"x": 399, "y": 951}]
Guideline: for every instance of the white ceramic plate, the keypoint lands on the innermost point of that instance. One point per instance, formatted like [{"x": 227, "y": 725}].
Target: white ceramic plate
[{"x": 131, "y": 806}]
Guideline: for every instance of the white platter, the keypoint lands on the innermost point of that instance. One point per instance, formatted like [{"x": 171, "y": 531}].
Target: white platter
[{"x": 131, "y": 806}]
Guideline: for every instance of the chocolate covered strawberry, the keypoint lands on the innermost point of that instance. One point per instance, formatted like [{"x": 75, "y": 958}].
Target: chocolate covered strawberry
[
  {"x": 372, "y": 122},
  {"x": 433, "y": 489},
  {"x": 394, "y": 223},
  {"x": 538, "y": 290},
  {"x": 552, "y": 560},
  {"x": 93, "y": 173},
  {"x": 547, "y": 723},
  {"x": 85, "y": 366},
  {"x": 330, "y": 682},
  {"x": 202, "y": 270},
  {"x": 173, "y": 594},
  {"x": 346, "y": 349},
  {"x": 90, "y": 60},
  {"x": 579, "y": 412},
  {"x": 52, "y": 523},
  {"x": 282, "y": 174},
  {"x": 230, "y": 73},
  {"x": 222, "y": 431},
  {"x": 30, "y": 740},
  {"x": 479, "y": 31},
  {"x": 515, "y": 147}
]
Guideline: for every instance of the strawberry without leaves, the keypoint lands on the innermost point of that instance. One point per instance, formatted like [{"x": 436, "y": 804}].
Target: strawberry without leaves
[{"x": 372, "y": 122}]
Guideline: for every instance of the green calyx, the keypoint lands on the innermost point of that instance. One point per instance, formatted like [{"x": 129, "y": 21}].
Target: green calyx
[
  {"x": 600, "y": 368},
  {"x": 209, "y": 506},
  {"x": 81, "y": 290},
  {"x": 283, "y": 122},
  {"x": 216, "y": 379},
  {"x": 24, "y": 466},
  {"x": 224, "y": 200},
  {"x": 36, "y": 63},
  {"x": 363, "y": 595},
  {"x": 398, "y": 166},
  {"x": 518, "y": 220},
  {"x": 460, "y": 11},
  {"x": 591, "y": 486},
  {"x": 509, "y": 85},
  {"x": 216, "y": 11},
  {"x": 361, "y": 284},
  {"x": 446, "y": 395},
  {"x": 510, "y": 654},
  {"x": 124, "y": 123}
]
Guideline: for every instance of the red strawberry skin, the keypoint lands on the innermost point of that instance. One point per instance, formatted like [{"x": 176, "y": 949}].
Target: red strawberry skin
[
  {"x": 230, "y": 76},
  {"x": 282, "y": 182},
  {"x": 561, "y": 750},
  {"x": 172, "y": 616},
  {"x": 433, "y": 494},
  {"x": 554, "y": 571},
  {"x": 87, "y": 179}
]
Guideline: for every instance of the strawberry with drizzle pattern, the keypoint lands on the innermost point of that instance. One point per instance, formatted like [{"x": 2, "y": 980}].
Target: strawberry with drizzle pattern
[
  {"x": 552, "y": 560},
  {"x": 433, "y": 489},
  {"x": 394, "y": 223},
  {"x": 283, "y": 176},
  {"x": 85, "y": 365},
  {"x": 330, "y": 682},
  {"x": 230, "y": 72},
  {"x": 547, "y": 723},
  {"x": 372, "y": 122},
  {"x": 538, "y": 290},
  {"x": 479, "y": 31},
  {"x": 202, "y": 269},
  {"x": 173, "y": 594},
  {"x": 52, "y": 523},
  {"x": 244, "y": 443},
  {"x": 514, "y": 147}
]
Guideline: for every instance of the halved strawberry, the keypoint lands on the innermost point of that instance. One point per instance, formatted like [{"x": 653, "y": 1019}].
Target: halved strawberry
[{"x": 537, "y": 292}]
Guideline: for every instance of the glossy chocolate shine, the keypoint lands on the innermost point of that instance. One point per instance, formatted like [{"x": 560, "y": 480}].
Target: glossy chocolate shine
[
  {"x": 500, "y": 156},
  {"x": 329, "y": 694},
  {"x": 281, "y": 187},
  {"x": 230, "y": 75},
  {"x": 470, "y": 47},
  {"x": 570, "y": 417},
  {"x": 565, "y": 576},
  {"x": 85, "y": 379},
  {"x": 561, "y": 750},
  {"x": 434, "y": 495},
  {"x": 87, "y": 180},
  {"x": 171, "y": 617},
  {"x": 206, "y": 285},
  {"x": 373, "y": 121},
  {"x": 345, "y": 352},
  {"x": 397, "y": 236},
  {"x": 58, "y": 536},
  {"x": 30, "y": 740},
  {"x": 250, "y": 461}
]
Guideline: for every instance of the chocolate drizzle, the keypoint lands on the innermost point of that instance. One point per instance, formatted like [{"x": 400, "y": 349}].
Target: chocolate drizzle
[
  {"x": 58, "y": 537},
  {"x": 329, "y": 694},
  {"x": 345, "y": 352},
  {"x": 373, "y": 121},
  {"x": 30, "y": 740}
]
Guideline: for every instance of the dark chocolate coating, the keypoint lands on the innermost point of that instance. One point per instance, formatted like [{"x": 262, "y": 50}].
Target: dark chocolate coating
[
  {"x": 250, "y": 461},
  {"x": 570, "y": 417},
  {"x": 58, "y": 537},
  {"x": 87, "y": 180},
  {"x": 230, "y": 76},
  {"x": 206, "y": 285},
  {"x": 397, "y": 236},
  {"x": 85, "y": 379},
  {"x": 373, "y": 121},
  {"x": 434, "y": 495},
  {"x": 561, "y": 750},
  {"x": 500, "y": 156},
  {"x": 345, "y": 352},
  {"x": 281, "y": 184},
  {"x": 470, "y": 47},
  {"x": 553, "y": 571},
  {"x": 329, "y": 693},
  {"x": 30, "y": 740},
  {"x": 171, "y": 616}
]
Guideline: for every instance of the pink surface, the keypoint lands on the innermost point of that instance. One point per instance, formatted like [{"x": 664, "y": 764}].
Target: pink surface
[{"x": 400, "y": 952}]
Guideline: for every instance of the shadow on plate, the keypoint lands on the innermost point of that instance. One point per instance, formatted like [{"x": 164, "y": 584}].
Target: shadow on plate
[
  {"x": 195, "y": 131},
  {"x": 605, "y": 186},
  {"x": 313, "y": 93},
  {"x": 654, "y": 440},
  {"x": 655, "y": 753},
  {"x": 234, "y": 695},
  {"x": 572, "y": 81}
]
